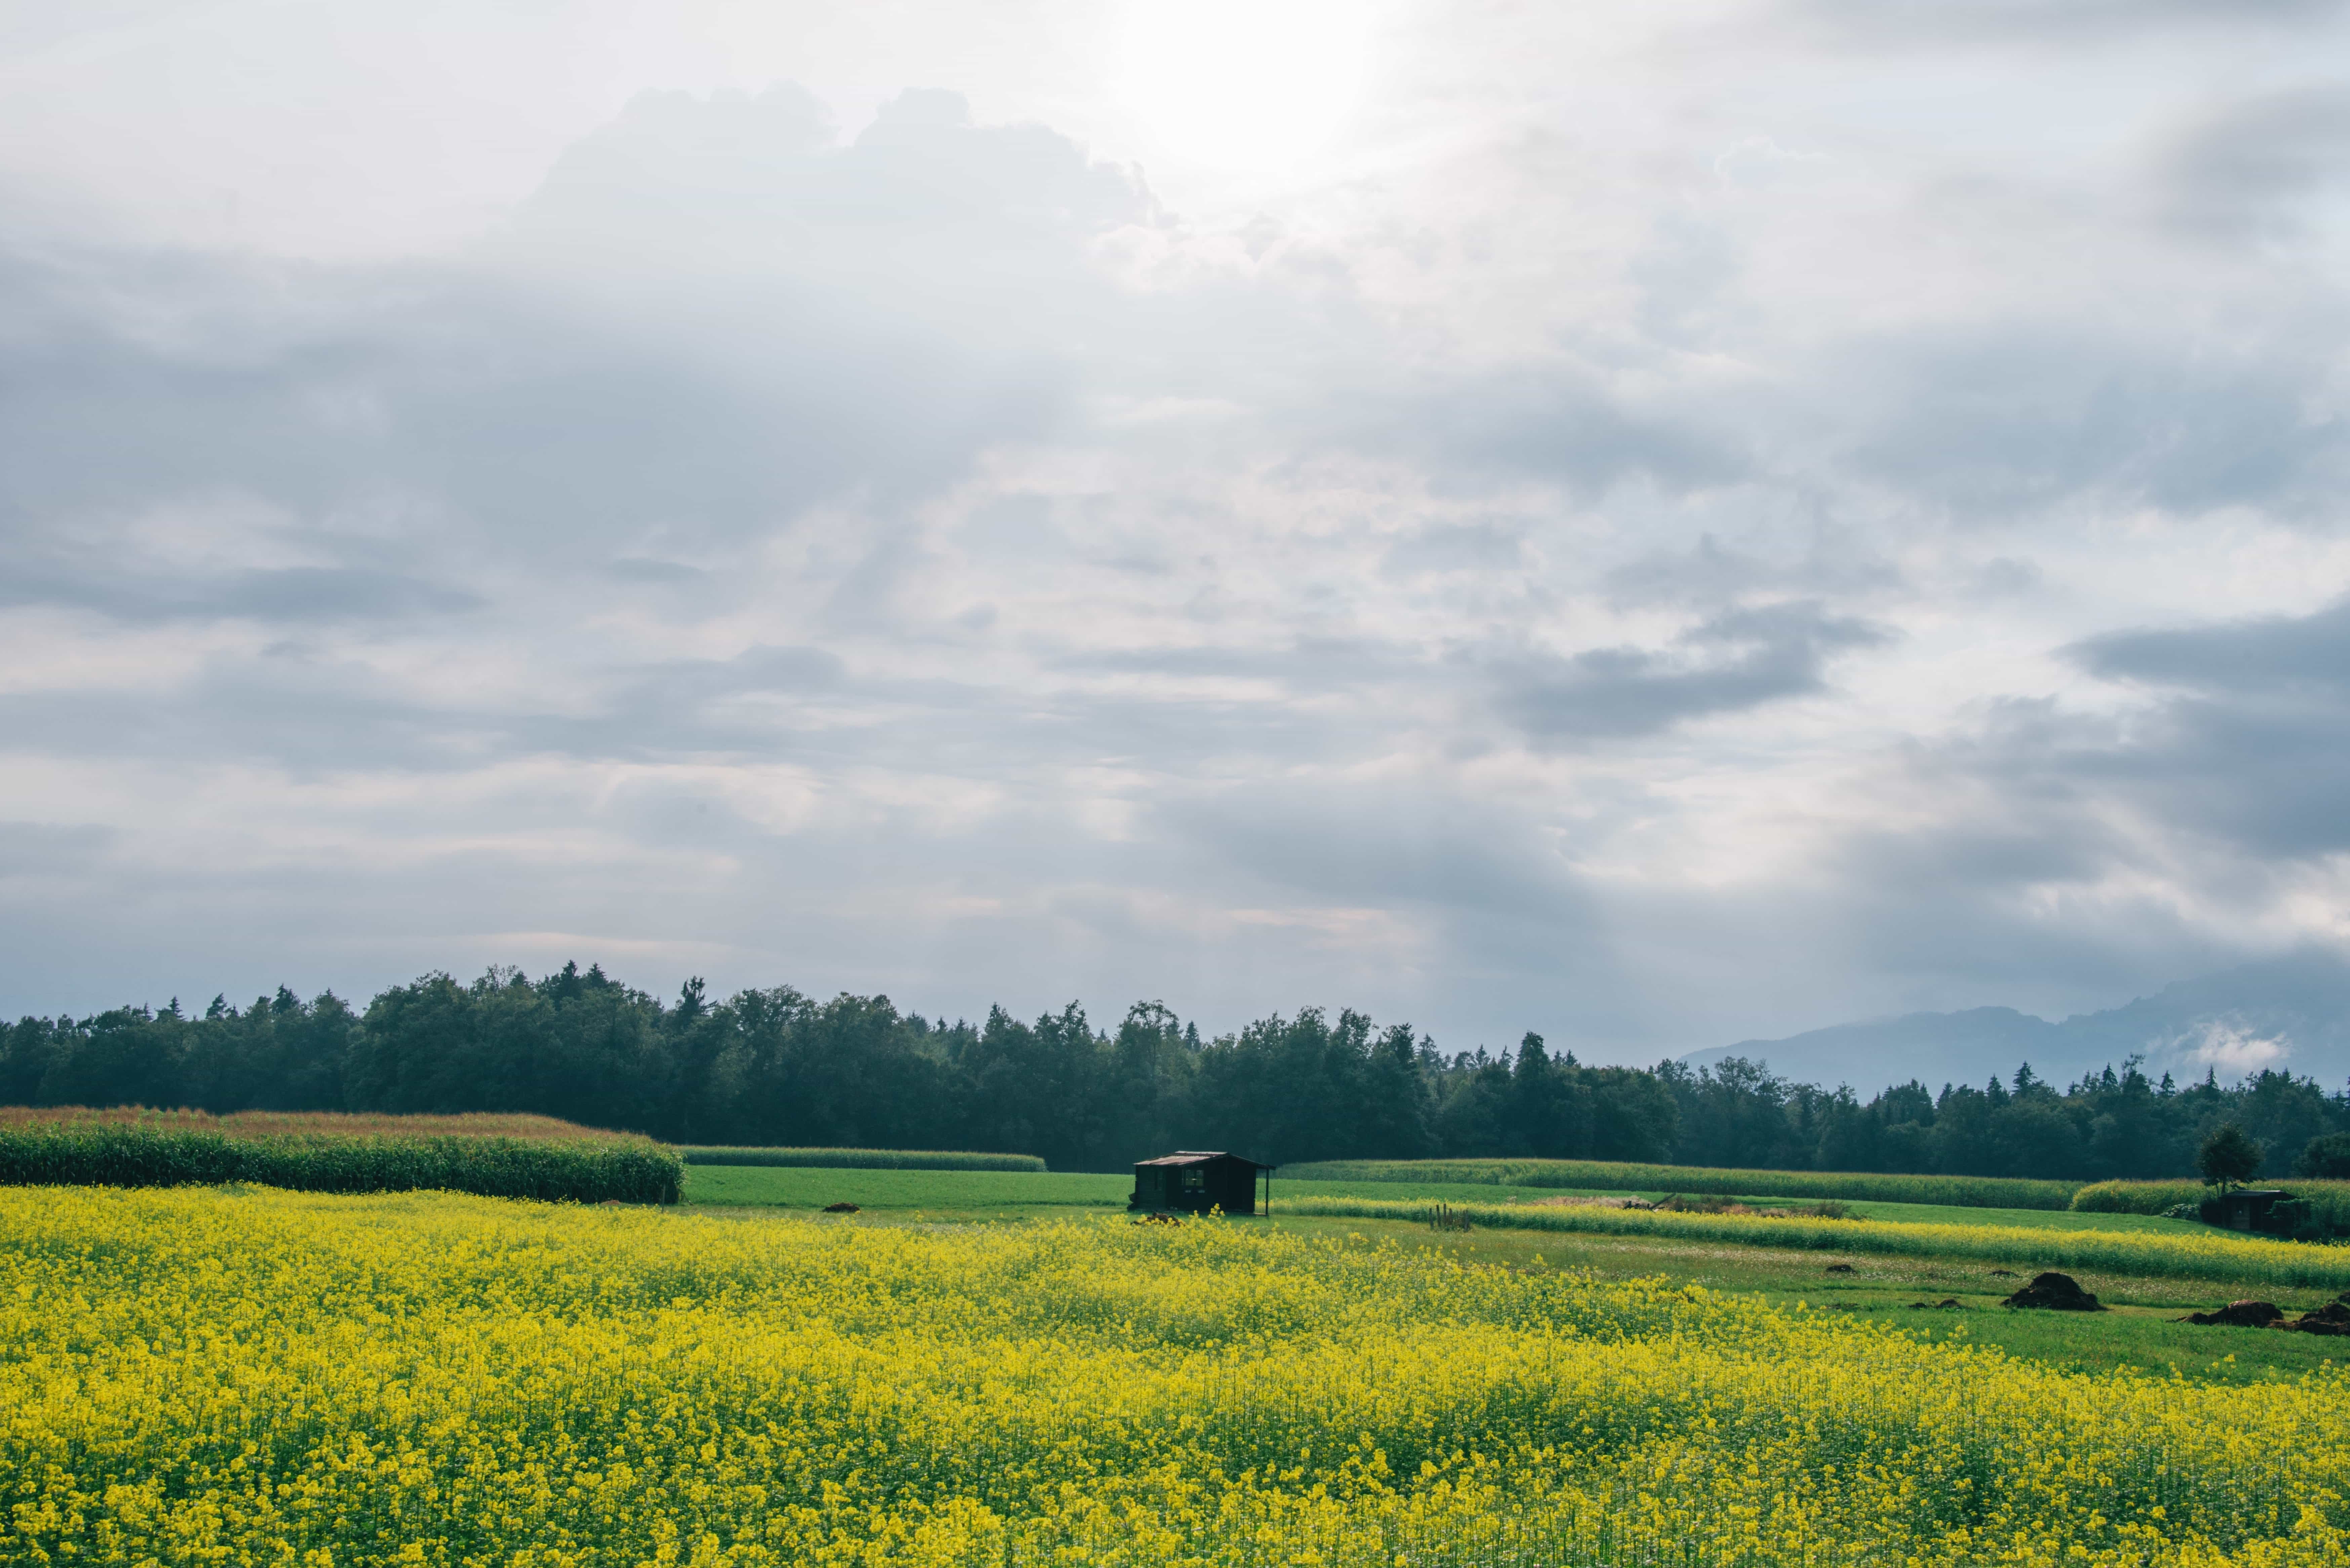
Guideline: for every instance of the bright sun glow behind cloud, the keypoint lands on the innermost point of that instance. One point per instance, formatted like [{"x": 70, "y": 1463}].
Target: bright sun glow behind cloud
[{"x": 1260, "y": 85}]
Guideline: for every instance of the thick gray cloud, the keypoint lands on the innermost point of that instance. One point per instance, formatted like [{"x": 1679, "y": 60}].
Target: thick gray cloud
[
  {"x": 2245, "y": 741},
  {"x": 1992, "y": 418},
  {"x": 2252, "y": 171},
  {"x": 1737, "y": 660}
]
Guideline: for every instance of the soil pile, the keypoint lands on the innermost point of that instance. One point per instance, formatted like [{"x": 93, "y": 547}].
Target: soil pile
[
  {"x": 2237, "y": 1314},
  {"x": 2053, "y": 1292},
  {"x": 2334, "y": 1318},
  {"x": 840, "y": 1208}
]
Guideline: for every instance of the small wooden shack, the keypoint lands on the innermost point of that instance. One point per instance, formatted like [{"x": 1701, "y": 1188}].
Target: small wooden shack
[
  {"x": 2245, "y": 1209},
  {"x": 1195, "y": 1181}
]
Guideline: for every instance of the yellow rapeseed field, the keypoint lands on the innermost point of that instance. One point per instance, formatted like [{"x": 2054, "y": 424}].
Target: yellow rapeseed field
[{"x": 200, "y": 1376}]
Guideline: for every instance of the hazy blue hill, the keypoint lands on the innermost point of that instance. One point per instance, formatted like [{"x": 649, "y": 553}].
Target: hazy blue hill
[{"x": 2291, "y": 1012}]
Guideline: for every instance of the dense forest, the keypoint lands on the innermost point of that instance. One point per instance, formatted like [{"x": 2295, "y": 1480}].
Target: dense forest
[{"x": 775, "y": 1066}]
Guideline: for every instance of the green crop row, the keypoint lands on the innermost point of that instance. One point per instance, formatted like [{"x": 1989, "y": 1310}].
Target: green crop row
[
  {"x": 2216, "y": 1255},
  {"x": 864, "y": 1159},
  {"x": 104, "y": 1155},
  {"x": 1610, "y": 1175}
]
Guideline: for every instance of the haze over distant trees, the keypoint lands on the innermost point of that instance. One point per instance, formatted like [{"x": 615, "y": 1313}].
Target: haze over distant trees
[{"x": 775, "y": 1066}]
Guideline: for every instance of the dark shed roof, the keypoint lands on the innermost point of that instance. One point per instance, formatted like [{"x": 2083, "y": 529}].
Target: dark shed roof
[{"x": 1195, "y": 1156}]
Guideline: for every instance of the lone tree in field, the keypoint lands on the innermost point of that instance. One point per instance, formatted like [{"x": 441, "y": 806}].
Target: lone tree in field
[{"x": 2228, "y": 1158}]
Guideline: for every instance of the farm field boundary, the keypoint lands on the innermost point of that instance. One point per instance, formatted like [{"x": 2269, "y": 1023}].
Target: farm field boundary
[
  {"x": 1599, "y": 1175},
  {"x": 2218, "y": 1256},
  {"x": 859, "y": 1158},
  {"x": 103, "y": 1154}
]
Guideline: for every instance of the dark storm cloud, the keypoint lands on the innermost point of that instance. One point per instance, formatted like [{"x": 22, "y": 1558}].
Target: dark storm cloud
[{"x": 1739, "y": 659}]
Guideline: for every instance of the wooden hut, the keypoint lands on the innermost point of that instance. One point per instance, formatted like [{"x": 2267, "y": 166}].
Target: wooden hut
[
  {"x": 2245, "y": 1209},
  {"x": 1196, "y": 1181}
]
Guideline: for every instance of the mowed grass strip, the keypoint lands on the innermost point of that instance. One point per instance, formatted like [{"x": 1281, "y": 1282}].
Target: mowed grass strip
[
  {"x": 2210, "y": 1255},
  {"x": 935, "y": 1191},
  {"x": 860, "y": 1158},
  {"x": 1612, "y": 1176}
]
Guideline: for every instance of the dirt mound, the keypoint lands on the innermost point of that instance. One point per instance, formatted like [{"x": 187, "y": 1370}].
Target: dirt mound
[
  {"x": 840, "y": 1208},
  {"x": 1944, "y": 1304},
  {"x": 2053, "y": 1292},
  {"x": 2237, "y": 1314},
  {"x": 1839, "y": 1268},
  {"x": 2333, "y": 1318}
]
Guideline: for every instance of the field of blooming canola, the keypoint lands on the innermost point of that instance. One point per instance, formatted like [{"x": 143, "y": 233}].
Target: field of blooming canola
[{"x": 192, "y": 1376}]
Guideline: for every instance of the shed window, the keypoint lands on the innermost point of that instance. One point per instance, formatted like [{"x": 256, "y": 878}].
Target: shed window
[{"x": 1195, "y": 1181}]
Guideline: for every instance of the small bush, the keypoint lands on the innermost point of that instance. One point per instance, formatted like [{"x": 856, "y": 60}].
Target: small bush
[
  {"x": 864, "y": 1159},
  {"x": 102, "y": 1154}
]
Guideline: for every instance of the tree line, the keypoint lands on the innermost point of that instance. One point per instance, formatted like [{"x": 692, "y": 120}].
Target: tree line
[{"x": 775, "y": 1066}]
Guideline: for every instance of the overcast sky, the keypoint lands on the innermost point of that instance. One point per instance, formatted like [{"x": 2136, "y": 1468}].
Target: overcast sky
[{"x": 1657, "y": 525}]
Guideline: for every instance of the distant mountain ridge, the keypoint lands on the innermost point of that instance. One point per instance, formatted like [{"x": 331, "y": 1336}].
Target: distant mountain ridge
[{"x": 2292, "y": 1014}]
